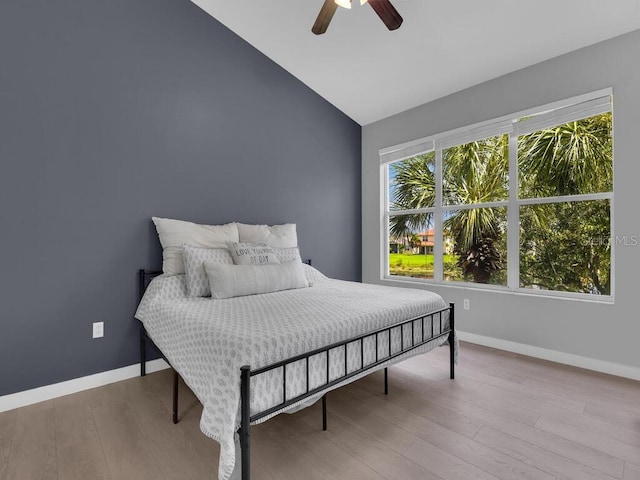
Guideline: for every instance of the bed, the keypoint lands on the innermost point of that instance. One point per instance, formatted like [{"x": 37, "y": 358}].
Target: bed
[
  {"x": 254, "y": 332},
  {"x": 250, "y": 358}
]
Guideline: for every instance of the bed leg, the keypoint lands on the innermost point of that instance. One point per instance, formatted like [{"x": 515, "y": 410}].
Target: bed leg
[
  {"x": 143, "y": 352},
  {"x": 324, "y": 412},
  {"x": 175, "y": 396},
  {"x": 452, "y": 343},
  {"x": 386, "y": 381},
  {"x": 245, "y": 420}
]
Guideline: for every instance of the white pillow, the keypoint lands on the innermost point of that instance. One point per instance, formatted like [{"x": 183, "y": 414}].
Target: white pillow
[
  {"x": 245, "y": 253},
  {"x": 280, "y": 236},
  {"x": 174, "y": 233},
  {"x": 195, "y": 275},
  {"x": 228, "y": 281},
  {"x": 288, "y": 254}
]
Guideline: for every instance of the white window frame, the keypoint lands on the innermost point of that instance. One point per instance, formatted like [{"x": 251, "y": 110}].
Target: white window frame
[{"x": 557, "y": 113}]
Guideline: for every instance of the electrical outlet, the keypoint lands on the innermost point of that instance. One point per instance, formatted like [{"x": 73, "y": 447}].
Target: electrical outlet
[
  {"x": 466, "y": 304},
  {"x": 98, "y": 329}
]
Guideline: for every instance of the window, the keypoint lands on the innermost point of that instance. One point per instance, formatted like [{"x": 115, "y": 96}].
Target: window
[{"x": 522, "y": 203}]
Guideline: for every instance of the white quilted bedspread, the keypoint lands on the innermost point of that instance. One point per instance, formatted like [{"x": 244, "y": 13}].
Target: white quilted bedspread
[{"x": 207, "y": 341}]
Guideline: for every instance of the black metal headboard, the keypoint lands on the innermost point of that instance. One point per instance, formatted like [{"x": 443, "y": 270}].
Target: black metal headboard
[{"x": 144, "y": 278}]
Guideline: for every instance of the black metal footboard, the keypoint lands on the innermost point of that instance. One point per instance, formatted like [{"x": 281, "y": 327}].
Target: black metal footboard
[{"x": 246, "y": 373}]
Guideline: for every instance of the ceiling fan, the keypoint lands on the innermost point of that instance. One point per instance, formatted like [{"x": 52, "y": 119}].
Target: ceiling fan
[{"x": 383, "y": 8}]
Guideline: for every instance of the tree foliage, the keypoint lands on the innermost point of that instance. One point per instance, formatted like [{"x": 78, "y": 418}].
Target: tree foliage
[
  {"x": 566, "y": 246},
  {"x": 415, "y": 187},
  {"x": 476, "y": 172},
  {"x": 569, "y": 159},
  {"x": 569, "y": 250}
]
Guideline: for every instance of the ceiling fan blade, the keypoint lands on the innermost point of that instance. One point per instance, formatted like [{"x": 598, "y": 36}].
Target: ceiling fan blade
[
  {"x": 387, "y": 13},
  {"x": 324, "y": 17}
]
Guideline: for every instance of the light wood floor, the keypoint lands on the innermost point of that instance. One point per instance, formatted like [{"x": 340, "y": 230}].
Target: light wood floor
[{"x": 504, "y": 417}]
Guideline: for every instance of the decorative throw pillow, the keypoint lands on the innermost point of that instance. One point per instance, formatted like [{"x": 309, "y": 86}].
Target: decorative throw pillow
[
  {"x": 252, "y": 253},
  {"x": 280, "y": 236},
  {"x": 195, "y": 274},
  {"x": 174, "y": 233},
  {"x": 286, "y": 255},
  {"x": 227, "y": 281}
]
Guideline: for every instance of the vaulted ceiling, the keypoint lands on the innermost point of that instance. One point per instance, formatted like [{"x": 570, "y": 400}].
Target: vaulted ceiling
[{"x": 442, "y": 47}]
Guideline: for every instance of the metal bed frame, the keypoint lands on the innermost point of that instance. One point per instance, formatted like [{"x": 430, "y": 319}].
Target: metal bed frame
[{"x": 145, "y": 276}]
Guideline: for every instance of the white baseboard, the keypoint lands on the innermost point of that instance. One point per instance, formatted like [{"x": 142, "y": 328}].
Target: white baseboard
[
  {"x": 40, "y": 394},
  {"x": 603, "y": 366}
]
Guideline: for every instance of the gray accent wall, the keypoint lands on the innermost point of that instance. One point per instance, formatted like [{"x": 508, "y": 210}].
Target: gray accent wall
[
  {"x": 608, "y": 334},
  {"x": 112, "y": 111}
]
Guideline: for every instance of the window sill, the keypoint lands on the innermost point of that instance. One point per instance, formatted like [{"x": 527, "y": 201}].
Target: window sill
[{"x": 576, "y": 297}]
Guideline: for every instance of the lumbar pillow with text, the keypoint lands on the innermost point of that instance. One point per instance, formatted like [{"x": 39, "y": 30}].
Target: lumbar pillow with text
[
  {"x": 280, "y": 236},
  {"x": 245, "y": 253},
  {"x": 174, "y": 233},
  {"x": 227, "y": 281},
  {"x": 195, "y": 274}
]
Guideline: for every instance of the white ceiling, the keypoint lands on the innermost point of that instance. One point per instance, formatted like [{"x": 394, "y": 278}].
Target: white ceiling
[{"x": 442, "y": 47}]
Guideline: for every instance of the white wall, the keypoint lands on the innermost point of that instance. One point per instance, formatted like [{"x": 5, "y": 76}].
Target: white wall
[{"x": 606, "y": 333}]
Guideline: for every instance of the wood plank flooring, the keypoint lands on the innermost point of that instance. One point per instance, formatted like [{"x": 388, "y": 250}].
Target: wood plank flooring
[{"x": 505, "y": 417}]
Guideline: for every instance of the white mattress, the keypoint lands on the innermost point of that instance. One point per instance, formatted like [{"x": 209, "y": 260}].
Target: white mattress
[{"x": 207, "y": 341}]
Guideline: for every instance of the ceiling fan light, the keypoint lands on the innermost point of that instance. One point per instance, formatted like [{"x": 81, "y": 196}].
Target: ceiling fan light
[{"x": 344, "y": 3}]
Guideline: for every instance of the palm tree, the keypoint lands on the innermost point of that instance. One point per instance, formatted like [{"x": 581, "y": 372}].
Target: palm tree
[
  {"x": 569, "y": 159},
  {"x": 476, "y": 172},
  {"x": 413, "y": 186},
  {"x": 472, "y": 173}
]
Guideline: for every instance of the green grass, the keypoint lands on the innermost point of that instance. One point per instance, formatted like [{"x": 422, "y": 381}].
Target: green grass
[
  {"x": 418, "y": 266},
  {"x": 409, "y": 260}
]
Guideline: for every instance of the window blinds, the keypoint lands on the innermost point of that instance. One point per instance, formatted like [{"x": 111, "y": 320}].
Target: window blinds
[
  {"x": 405, "y": 150},
  {"x": 474, "y": 134},
  {"x": 559, "y": 116},
  {"x": 546, "y": 119}
]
